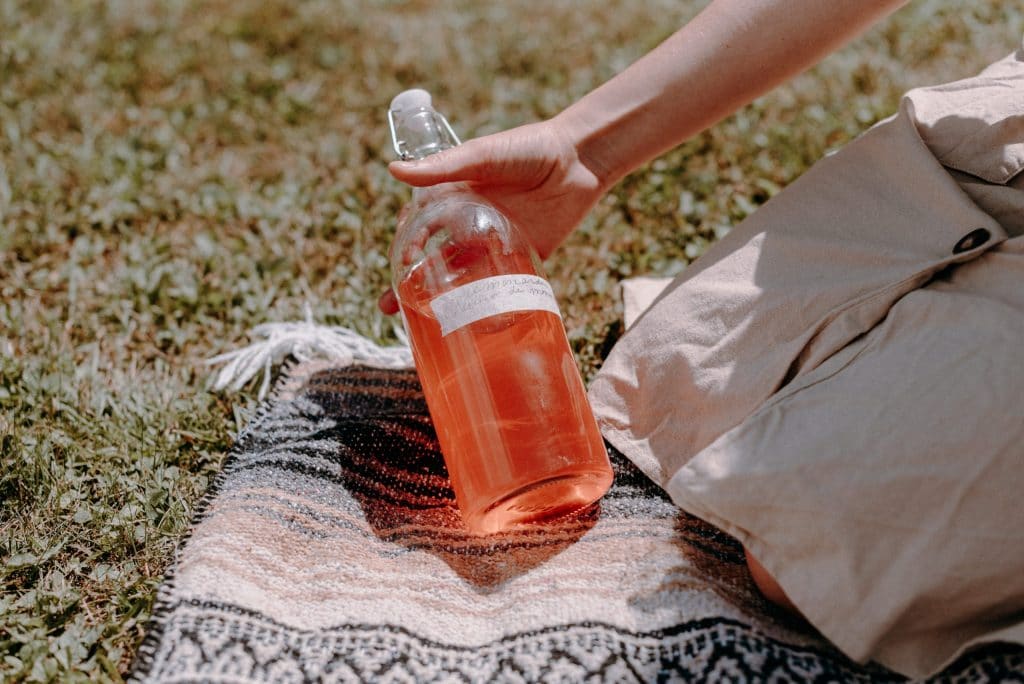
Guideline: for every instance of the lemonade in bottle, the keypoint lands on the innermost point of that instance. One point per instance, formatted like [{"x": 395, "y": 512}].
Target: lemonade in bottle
[{"x": 506, "y": 398}]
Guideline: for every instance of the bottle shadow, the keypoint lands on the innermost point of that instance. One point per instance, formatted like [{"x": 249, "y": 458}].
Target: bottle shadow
[
  {"x": 486, "y": 562},
  {"x": 389, "y": 461}
]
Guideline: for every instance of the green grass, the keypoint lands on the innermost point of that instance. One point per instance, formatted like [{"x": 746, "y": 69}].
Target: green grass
[{"x": 174, "y": 173}]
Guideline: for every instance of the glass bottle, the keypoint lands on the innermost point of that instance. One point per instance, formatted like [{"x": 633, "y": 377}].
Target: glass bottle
[{"x": 504, "y": 392}]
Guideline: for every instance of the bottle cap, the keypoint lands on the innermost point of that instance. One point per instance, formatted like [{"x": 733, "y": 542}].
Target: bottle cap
[
  {"x": 414, "y": 98},
  {"x": 417, "y": 130}
]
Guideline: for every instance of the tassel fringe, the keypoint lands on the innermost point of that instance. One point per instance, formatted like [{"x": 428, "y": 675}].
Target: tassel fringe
[{"x": 305, "y": 341}]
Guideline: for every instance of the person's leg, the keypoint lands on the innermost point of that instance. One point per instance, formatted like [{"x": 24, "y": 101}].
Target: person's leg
[{"x": 767, "y": 584}]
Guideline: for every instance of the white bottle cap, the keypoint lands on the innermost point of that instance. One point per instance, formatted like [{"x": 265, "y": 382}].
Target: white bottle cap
[{"x": 416, "y": 98}]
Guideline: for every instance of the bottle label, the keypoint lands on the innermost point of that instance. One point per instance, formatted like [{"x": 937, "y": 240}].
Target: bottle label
[{"x": 491, "y": 296}]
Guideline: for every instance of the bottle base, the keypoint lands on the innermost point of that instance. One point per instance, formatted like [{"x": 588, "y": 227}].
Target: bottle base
[{"x": 541, "y": 501}]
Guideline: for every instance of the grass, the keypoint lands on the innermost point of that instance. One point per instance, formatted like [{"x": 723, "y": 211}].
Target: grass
[{"x": 174, "y": 173}]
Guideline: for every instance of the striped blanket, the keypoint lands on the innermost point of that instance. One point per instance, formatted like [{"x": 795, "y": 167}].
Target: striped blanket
[{"x": 329, "y": 549}]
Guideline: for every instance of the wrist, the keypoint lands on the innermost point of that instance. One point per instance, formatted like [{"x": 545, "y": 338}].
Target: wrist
[{"x": 591, "y": 148}]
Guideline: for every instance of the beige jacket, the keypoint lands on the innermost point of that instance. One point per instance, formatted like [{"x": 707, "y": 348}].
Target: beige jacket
[{"x": 838, "y": 383}]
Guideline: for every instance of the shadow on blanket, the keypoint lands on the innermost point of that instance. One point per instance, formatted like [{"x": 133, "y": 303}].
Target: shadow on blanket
[{"x": 403, "y": 488}]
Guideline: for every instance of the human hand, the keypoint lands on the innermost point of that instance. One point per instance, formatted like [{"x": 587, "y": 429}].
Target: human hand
[{"x": 533, "y": 174}]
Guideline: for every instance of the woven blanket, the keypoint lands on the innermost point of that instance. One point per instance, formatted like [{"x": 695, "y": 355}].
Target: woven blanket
[{"x": 329, "y": 549}]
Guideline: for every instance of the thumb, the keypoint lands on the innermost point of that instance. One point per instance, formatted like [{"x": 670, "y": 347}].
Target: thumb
[{"x": 467, "y": 162}]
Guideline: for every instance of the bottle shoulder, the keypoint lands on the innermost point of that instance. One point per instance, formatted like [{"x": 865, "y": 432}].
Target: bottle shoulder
[
  {"x": 456, "y": 231},
  {"x": 454, "y": 213},
  {"x": 447, "y": 195}
]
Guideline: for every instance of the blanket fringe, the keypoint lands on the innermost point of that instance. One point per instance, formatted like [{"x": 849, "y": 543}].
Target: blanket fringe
[{"x": 305, "y": 341}]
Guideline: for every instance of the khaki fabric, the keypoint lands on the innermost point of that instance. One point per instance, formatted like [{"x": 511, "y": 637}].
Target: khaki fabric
[{"x": 838, "y": 383}]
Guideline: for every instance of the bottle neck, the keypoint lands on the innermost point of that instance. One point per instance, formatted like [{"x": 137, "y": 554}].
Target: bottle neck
[{"x": 420, "y": 132}]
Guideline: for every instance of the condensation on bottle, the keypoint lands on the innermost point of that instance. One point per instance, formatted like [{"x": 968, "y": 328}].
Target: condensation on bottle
[{"x": 518, "y": 436}]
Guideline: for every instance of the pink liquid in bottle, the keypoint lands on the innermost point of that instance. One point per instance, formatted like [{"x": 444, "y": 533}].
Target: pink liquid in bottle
[{"x": 506, "y": 398}]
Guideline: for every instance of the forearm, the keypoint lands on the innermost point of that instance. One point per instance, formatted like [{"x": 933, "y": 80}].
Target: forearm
[{"x": 732, "y": 52}]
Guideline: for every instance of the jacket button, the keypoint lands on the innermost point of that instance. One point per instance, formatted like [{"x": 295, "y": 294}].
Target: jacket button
[{"x": 972, "y": 240}]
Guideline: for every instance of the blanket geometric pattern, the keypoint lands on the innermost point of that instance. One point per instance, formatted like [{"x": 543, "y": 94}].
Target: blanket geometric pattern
[{"x": 330, "y": 549}]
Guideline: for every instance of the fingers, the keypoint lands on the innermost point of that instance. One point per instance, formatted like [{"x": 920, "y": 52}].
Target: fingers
[
  {"x": 416, "y": 173},
  {"x": 520, "y": 157},
  {"x": 467, "y": 162},
  {"x": 388, "y": 302}
]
